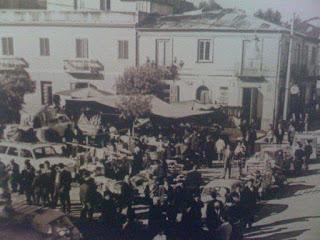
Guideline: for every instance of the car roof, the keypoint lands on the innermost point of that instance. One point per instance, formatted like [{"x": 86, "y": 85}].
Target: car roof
[{"x": 24, "y": 144}]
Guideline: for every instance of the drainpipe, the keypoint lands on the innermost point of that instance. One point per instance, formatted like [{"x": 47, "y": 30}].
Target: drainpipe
[
  {"x": 286, "y": 97},
  {"x": 277, "y": 82}
]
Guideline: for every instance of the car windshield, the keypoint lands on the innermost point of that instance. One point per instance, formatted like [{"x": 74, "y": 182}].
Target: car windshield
[{"x": 44, "y": 152}]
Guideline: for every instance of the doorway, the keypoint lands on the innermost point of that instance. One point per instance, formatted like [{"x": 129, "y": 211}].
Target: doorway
[{"x": 252, "y": 104}]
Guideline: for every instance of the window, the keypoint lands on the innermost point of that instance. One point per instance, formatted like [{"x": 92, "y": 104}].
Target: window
[
  {"x": 44, "y": 47},
  {"x": 44, "y": 152},
  {"x": 78, "y": 4},
  {"x": 13, "y": 151},
  {"x": 105, "y": 5},
  {"x": 163, "y": 52},
  {"x": 123, "y": 49},
  {"x": 314, "y": 55},
  {"x": 224, "y": 96},
  {"x": 205, "y": 48},
  {"x": 46, "y": 93},
  {"x": 82, "y": 50},
  {"x": 7, "y": 46},
  {"x": 26, "y": 153},
  {"x": 3, "y": 149}
]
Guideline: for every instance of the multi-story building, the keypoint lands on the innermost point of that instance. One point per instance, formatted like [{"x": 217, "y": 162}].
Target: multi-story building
[
  {"x": 67, "y": 49},
  {"x": 228, "y": 58},
  {"x": 142, "y": 6}
]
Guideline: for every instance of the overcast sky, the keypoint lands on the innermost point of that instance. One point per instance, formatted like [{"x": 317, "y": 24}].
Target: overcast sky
[{"x": 305, "y": 8}]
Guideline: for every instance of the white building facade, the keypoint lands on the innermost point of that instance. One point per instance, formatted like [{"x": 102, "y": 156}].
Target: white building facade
[
  {"x": 228, "y": 58},
  {"x": 133, "y": 6},
  {"x": 66, "y": 50}
]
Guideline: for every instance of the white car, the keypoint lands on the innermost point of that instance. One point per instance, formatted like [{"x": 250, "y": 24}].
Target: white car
[{"x": 36, "y": 153}]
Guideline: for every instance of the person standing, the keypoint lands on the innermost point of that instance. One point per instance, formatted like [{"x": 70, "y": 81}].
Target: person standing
[
  {"x": 291, "y": 134},
  {"x": 299, "y": 155},
  {"x": 64, "y": 188},
  {"x": 279, "y": 133},
  {"x": 227, "y": 161},
  {"x": 308, "y": 151},
  {"x": 216, "y": 222},
  {"x": 244, "y": 128},
  {"x": 88, "y": 193},
  {"x": 15, "y": 175},
  {"x": 220, "y": 146},
  {"x": 27, "y": 176},
  {"x": 251, "y": 139},
  {"x": 37, "y": 188},
  {"x": 249, "y": 201}
]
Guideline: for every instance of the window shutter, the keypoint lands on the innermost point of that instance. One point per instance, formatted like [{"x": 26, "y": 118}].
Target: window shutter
[
  {"x": 207, "y": 49},
  {"x": 78, "y": 48},
  {"x": 126, "y": 50},
  {"x": 4, "y": 46}
]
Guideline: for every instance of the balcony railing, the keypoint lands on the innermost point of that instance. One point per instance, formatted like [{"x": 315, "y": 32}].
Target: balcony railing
[
  {"x": 86, "y": 66},
  {"x": 252, "y": 72},
  {"x": 13, "y": 63}
]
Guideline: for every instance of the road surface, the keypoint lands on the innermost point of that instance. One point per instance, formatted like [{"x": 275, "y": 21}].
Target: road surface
[{"x": 296, "y": 212}]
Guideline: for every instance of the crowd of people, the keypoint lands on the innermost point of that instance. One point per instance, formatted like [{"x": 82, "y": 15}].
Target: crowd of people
[{"x": 174, "y": 211}]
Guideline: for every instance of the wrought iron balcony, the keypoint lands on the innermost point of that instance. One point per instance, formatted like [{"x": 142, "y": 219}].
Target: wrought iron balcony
[
  {"x": 83, "y": 66},
  {"x": 13, "y": 63}
]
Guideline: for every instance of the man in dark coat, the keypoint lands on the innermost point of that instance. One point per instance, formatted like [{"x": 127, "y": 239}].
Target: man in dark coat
[
  {"x": 108, "y": 210},
  {"x": 15, "y": 175},
  {"x": 308, "y": 151},
  {"x": 64, "y": 188},
  {"x": 27, "y": 176},
  {"x": 248, "y": 202},
  {"x": 234, "y": 215},
  {"x": 216, "y": 222},
  {"x": 279, "y": 133},
  {"x": 88, "y": 194},
  {"x": 299, "y": 155}
]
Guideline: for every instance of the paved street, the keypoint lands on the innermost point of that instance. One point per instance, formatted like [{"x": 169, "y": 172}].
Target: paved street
[{"x": 295, "y": 214}]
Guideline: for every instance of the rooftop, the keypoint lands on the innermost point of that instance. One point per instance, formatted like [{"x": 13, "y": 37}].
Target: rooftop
[
  {"x": 39, "y": 17},
  {"x": 227, "y": 19}
]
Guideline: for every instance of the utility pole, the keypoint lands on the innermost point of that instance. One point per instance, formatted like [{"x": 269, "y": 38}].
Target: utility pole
[{"x": 286, "y": 96}]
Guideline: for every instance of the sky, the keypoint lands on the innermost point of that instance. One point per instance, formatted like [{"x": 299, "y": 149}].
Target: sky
[{"x": 304, "y": 8}]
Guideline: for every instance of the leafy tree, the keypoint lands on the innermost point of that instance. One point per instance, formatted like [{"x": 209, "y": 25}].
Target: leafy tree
[
  {"x": 134, "y": 106},
  {"x": 145, "y": 79},
  {"x": 269, "y": 15},
  {"x": 209, "y": 5},
  {"x": 13, "y": 87}
]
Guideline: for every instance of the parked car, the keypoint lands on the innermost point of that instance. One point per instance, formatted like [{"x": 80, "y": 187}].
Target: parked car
[
  {"x": 35, "y": 152},
  {"x": 51, "y": 223}
]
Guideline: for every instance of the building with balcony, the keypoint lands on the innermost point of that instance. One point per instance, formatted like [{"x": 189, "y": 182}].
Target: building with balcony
[
  {"x": 228, "y": 57},
  {"x": 64, "y": 50}
]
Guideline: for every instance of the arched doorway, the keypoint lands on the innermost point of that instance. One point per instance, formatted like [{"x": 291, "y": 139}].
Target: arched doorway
[{"x": 203, "y": 95}]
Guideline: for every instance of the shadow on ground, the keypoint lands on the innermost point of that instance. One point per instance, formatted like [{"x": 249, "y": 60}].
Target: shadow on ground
[{"x": 276, "y": 230}]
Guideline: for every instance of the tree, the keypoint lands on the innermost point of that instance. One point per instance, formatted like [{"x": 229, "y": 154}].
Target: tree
[
  {"x": 269, "y": 15},
  {"x": 134, "y": 106},
  {"x": 145, "y": 79},
  {"x": 13, "y": 87},
  {"x": 137, "y": 84},
  {"x": 209, "y": 5}
]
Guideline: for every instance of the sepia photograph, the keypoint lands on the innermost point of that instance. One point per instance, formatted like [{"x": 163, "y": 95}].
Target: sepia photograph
[{"x": 159, "y": 119}]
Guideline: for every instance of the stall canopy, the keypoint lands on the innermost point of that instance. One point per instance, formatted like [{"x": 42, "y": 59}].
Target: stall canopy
[{"x": 158, "y": 107}]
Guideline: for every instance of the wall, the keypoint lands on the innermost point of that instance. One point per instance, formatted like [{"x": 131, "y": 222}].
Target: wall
[
  {"x": 103, "y": 46},
  {"x": 225, "y": 68}
]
